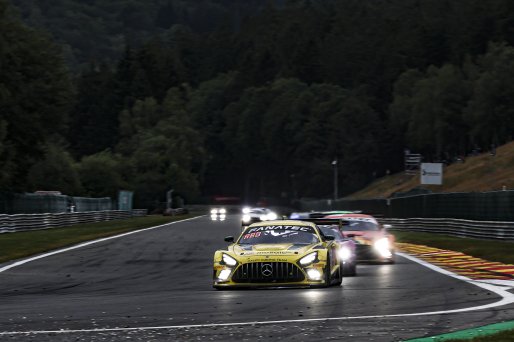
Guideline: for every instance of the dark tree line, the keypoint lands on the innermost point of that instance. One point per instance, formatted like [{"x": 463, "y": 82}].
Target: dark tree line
[{"x": 254, "y": 105}]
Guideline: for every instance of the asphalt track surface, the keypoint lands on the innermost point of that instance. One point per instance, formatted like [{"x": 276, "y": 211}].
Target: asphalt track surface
[{"x": 156, "y": 285}]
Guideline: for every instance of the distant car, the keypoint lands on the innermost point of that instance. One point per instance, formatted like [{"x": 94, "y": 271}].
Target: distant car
[
  {"x": 276, "y": 254},
  {"x": 218, "y": 214},
  {"x": 253, "y": 215},
  {"x": 372, "y": 241}
]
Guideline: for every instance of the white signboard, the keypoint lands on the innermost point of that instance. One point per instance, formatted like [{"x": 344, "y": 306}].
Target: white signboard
[{"x": 432, "y": 173}]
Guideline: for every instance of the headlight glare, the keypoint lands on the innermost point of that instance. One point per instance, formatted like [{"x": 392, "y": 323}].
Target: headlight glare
[
  {"x": 214, "y": 211},
  {"x": 308, "y": 259},
  {"x": 224, "y": 274},
  {"x": 246, "y": 218},
  {"x": 272, "y": 216},
  {"x": 246, "y": 210},
  {"x": 227, "y": 259},
  {"x": 314, "y": 274},
  {"x": 345, "y": 254},
  {"x": 383, "y": 247},
  {"x": 222, "y": 211}
]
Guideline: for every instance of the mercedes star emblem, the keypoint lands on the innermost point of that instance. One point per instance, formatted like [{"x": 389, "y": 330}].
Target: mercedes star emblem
[{"x": 267, "y": 270}]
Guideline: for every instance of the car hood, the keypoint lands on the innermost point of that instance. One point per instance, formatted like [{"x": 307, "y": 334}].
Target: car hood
[{"x": 364, "y": 236}]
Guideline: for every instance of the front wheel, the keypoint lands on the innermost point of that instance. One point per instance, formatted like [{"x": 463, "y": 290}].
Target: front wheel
[
  {"x": 339, "y": 275},
  {"x": 350, "y": 269}
]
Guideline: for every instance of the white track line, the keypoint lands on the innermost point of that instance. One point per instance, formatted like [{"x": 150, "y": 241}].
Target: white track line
[
  {"x": 24, "y": 261},
  {"x": 506, "y": 298}
]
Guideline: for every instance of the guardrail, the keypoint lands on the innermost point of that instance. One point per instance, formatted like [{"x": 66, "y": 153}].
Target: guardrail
[
  {"x": 455, "y": 227},
  {"x": 24, "y": 222}
]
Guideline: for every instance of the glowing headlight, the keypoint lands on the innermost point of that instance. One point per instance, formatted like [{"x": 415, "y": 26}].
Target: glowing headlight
[
  {"x": 345, "y": 254},
  {"x": 246, "y": 210},
  {"x": 214, "y": 211},
  {"x": 222, "y": 211},
  {"x": 272, "y": 216},
  {"x": 246, "y": 218},
  {"x": 224, "y": 274},
  {"x": 229, "y": 260},
  {"x": 382, "y": 246},
  {"x": 308, "y": 259},
  {"x": 214, "y": 217},
  {"x": 314, "y": 274},
  {"x": 223, "y": 217}
]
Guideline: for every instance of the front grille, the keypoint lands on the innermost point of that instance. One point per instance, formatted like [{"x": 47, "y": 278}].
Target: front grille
[
  {"x": 268, "y": 272},
  {"x": 365, "y": 252}
]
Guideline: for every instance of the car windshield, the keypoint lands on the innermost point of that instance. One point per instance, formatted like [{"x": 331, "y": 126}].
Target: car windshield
[
  {"x": 257, "y": 211},
  {"x": 279, "y": 234},
  {"x": 332, "y": 230},
  {"x": 360, "y": 225}
]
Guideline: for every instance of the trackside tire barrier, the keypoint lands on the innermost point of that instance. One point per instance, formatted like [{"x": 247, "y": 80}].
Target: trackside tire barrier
[
  {"x": 24, "y": 222},
  {"x": 455, "y": 227}
]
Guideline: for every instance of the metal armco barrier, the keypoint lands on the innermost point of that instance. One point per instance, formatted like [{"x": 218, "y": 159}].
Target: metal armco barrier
[
  {"x": 455, "y": 227},
  {"x": 24, "y": 222}
]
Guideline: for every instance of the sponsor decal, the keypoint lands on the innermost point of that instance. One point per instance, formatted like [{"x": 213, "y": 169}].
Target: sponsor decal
[
  {"x": 261, "y": 259},
  {"x": 281, "y": 227},
  {"x": 251, "y": 235}
]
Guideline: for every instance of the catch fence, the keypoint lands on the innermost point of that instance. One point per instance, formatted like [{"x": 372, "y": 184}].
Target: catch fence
[
  {"x": 479, "y": 206},
  {"x": 11, "y": 203}
]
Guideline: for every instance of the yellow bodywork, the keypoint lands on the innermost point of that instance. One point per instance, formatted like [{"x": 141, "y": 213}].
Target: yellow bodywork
[{"x": 284, "y": 257}]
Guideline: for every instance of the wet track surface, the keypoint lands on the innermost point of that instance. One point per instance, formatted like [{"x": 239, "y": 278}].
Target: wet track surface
[{"x": 160, "y": 279}]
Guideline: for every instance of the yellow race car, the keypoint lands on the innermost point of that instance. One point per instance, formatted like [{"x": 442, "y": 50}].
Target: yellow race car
[{"x": 277, "y": 254}]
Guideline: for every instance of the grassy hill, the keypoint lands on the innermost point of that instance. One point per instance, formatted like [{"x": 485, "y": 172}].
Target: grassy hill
[{"x": 483, "y": 172}]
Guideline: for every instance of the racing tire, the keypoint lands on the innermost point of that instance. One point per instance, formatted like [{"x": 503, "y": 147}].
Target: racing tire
[
  {"x": 393, "y": 259},
  {"x": 327, "y": 275},
  {"x": 350, "y": 270},
  {"x": 339, "y": 276}
]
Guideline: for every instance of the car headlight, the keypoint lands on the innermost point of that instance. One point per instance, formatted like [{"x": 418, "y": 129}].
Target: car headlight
[
  {"x": 308, "y": 259},
  {"x": 227, "y": 259},
  {"x": 246, "y": 218},
  {"x": 214, "y": 211},
  {"x": 222, "y": 211},
  {"x": 314, "y": 274},
  {"x": 246, "y": 210},
  {"x": 383, "y": 247},
  {"x": 224, "y": 274},
  {"x": 272, "y": 216},
  {"x": 345, "y": 254}
]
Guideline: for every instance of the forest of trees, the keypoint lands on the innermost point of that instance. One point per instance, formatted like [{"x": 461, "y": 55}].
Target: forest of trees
[{"x": 252, "y": 100}]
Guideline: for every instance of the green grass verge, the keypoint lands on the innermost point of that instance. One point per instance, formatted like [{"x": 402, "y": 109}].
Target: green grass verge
[
  {"x": 505, "y": 336},
  {"x": 491, "y": 250},
  {"x": 498, "y": 332},
  {"x": 23, "y": 244}
]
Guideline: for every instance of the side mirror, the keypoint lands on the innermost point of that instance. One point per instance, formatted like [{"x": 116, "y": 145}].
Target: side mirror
[
  {"x": 229, "y": 239},
  {"x": 330, "y": 237}
]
